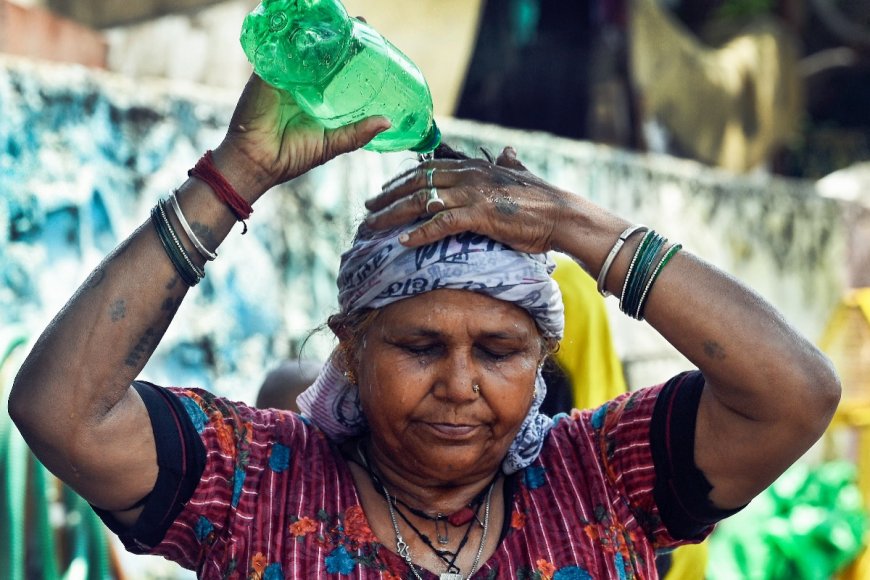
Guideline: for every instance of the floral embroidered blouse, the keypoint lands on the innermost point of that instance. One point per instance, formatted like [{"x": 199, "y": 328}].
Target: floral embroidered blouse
[{"x": 244, "y": 493}]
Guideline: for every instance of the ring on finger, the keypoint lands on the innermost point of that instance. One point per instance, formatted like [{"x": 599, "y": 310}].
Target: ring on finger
[
  {"x": 430, "y": 179},
  {"x": 434, "y": 200}
]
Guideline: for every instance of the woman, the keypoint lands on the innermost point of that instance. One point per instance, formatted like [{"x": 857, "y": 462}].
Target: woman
[{"x": 427, "y": 453}]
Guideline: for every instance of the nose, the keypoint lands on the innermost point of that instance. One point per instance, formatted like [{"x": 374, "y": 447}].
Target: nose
[{"x": 456, "y": 378}]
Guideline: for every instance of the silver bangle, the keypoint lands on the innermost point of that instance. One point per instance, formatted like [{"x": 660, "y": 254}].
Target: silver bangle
[
  {"x": 204, "y": 252},
  {"x": 608, "y": 262}
]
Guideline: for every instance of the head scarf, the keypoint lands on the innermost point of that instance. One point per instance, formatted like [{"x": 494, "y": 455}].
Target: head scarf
[{"x": 378, "y": 270}]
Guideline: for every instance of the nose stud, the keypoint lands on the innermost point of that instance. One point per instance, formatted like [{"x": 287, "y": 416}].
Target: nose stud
[{"x": 475, "y": 387}]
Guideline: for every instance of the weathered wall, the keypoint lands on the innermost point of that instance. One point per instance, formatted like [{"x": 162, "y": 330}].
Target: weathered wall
[{"x": 84, "y": 155}]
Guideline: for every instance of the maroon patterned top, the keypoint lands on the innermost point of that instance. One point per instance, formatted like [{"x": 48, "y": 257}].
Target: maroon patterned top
[{"x": 275, "y": 499}]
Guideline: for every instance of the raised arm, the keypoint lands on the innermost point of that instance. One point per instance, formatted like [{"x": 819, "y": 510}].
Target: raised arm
[
  {"x": 769, "y": 393},
  {"x": 72, "y": 398}
]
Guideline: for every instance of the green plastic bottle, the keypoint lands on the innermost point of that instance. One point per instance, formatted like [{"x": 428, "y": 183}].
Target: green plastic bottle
[{"x": 340, "y": 70}]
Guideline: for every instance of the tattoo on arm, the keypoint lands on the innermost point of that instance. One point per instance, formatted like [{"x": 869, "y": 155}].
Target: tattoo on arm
[
  {"x": 170, "y": 306},
  {"x": 714, "y": 350},
  {"x": 118, "y": 310},
  {"x": 96, "y": 278},
  {"x": 505, "y": 205},
  {"x": 142, "y": 349},
  {"x": 205, "y": 235}
]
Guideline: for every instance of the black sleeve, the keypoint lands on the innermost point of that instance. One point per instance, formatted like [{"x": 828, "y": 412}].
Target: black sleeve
[
  {"x": 682, "y": 491},
  {"x": 180, "y": 462}
]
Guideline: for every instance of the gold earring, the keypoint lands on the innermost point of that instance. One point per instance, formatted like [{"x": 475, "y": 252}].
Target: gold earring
[{"x": 350, "y": 376}]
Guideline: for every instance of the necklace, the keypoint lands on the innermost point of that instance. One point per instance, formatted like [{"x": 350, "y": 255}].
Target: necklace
[
  {"x": 405, "y": 552},
  {"x": 402, "y": 547},
  {"x": 442, "y": 554}
]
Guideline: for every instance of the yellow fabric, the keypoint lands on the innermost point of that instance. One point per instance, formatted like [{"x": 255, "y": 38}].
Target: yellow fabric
[
  {"x": 586, "y": 352},
  {"x": 689, "y": 562}
]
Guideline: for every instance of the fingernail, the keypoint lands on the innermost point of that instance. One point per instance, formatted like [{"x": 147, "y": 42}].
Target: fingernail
[{"x": 403, "y": 239}]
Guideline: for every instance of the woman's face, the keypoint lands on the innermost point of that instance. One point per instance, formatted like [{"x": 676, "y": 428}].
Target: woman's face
[{"x": 416, "y": 368}]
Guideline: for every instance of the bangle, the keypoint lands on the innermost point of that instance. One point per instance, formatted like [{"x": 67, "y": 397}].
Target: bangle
[
  {"x": 631, "y": 267},
  {"x": 608, "y": 262},
  {"x": 203, "y": 251},
  {"x": 190, "y": 274},
  {"x": 672, "y": 251},
  {"x": 206, "y": 171},
  {"x": 642, "y": 272}
]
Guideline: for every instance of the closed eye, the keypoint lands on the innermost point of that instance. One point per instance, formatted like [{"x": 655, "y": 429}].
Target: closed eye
[{"x": 495, "y": 355}]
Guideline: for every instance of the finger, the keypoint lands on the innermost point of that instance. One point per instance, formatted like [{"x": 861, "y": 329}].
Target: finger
[
  {"x": 508, "y": 158},
  {"x": 404, "y": 185},
  {"x": 354, "y": 136},
  {"x": 404, "y": 210},
  {"x": 447, "y": 174},
  {"x": 442, "y": 224}
]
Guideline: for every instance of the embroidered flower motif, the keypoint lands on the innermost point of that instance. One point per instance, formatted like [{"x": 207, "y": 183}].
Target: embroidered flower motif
[
  {"x": 356, "y": 525},
  {"x": 202, "y": 528},
  {"x": 238, "y": 482},
  {"x": 535, "y": 477},
  {"x": 339, "y": 561},
  {"x": 518, "y": 520},
  {"x": 302, "y": 527},
  {"x": 545, "y": 568},
  {"x": 390, "y": 576},
  {"x": 258, "y": 562},
  {"x": 225, "y": 438},
  {"x": 274, "y": 572},
  {"x": 279, "y": 458},
  {"x": 195, "y": 412},
  {"x": 572, "y": 573}
]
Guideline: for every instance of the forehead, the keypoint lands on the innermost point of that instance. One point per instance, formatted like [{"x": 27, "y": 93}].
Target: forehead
[{"x": 445, "y": 310}]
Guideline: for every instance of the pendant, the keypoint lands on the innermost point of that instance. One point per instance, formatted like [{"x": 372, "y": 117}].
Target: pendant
[
  {"x": 450, "y": 576},
  {"x": 442, "y": 532}
]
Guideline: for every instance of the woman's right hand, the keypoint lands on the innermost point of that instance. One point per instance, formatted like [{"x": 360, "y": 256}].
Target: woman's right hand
[{"x": 280, "y": 141}]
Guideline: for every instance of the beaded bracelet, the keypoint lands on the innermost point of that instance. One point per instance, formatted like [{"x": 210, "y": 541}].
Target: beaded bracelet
[
  {"x": 203, "y": 251},
  {"x": 187, "y": 270},
  {"x": 672, "y": 251},
  {"x": 608, "y": 262}
]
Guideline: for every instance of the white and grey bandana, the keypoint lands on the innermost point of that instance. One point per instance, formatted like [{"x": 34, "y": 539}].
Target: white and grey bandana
[{"x": 378, "y": 271}]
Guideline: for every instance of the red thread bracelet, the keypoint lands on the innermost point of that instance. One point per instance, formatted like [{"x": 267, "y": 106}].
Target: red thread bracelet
[{"x": 207, "y": 172}]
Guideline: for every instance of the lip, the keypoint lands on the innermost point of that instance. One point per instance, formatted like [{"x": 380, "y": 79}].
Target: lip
[{"x": 452, "y": 431}]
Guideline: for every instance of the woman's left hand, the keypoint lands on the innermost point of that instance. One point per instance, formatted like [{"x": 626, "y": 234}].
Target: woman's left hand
[{"x": 502, "y": 201}]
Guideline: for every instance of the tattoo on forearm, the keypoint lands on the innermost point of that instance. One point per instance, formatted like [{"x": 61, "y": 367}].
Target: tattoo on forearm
[
  {"x": 205, "y": 235},
  {"x": 172, "y": 283},
  {"x": 118, "y": 310},
  {"x": 170, "y": 305},
  {"x": 146, "y": 342},
  {"x": 714, "y": 350},
  {"x": 96, "y": 278}
]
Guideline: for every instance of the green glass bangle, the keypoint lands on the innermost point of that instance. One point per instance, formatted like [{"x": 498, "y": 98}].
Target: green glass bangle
[
  {"x": 642, "y": 268},
  {"x": 625, "y": 283},
  {"x": 642, "y": 273},
  {"x": 672, "y": 251}
]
